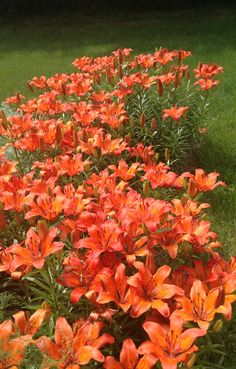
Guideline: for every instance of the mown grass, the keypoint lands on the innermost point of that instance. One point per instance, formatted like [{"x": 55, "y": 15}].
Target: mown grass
[{"x": 30, "y": 47}]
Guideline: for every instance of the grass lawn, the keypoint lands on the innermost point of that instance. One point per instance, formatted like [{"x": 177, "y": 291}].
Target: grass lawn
[{"x": 33, "y": 47}]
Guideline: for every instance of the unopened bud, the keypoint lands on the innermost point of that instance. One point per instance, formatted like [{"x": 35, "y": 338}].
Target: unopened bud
[
  {"x": 97, "y": 78},
  {"x": 153, "y": 123},
  {"x": 29, "y": 86},
  {"x": 167, "y": 154},
  {"x": 45, "y": 305},
  {"x": 58, "y": 133},
  {"x": 218, "y": 325},
  {"x": 144, "y": 228},
  {"x": 160, "y": 88},
  {"x": 186, "y": 248},
  {"x": 127, "y": 138},
  {"x": 142, "y": 119},
  {"x": 108, "y": 75},
  {"x": 120, "y": 71},
  {"x": 150, "y": 262},
  {"x": 87, "y": 167},
  {"x": 131, "y": 122},
  {"x": 120, "y": 56},
  {"x": 17, "y": 218},
  {"x": 177, "y": 79},
  {"x": 95, "y": 153},
  {"x": 192, "y": 189},
  {"x": 191, "y": 361},
  {"x": 116, "y": 78},
  {"x": 16, "y": 276},
  {"x": 42, "y": 228},
  {"x": 3, "y": 220},
  {"x": 146, "y": 187},
  {"x": 41, "y": 144},
  {"x": 63, "y": 88},
  {"x": 32, "y": 221}
]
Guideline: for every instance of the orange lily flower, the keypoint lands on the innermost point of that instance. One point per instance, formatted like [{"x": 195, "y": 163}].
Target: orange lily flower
[
  {"x": 103, "y": 238},
  {"x": 38, "y": 246},
  {"x": 146, "y": 211},
  {"x": 201, "y": 307},
  {"x": 46, "y": 207},
  {"x": 159, "y": 175},
  {"x": 207, "y": 70},
  {"x": 123, "y": 171},
  {"x": 115, "y": 288},
  {"x": 170, "y": 344},
  {"x": 73, "y": 347},
  {"x": 30, "y": 325},
  {"x": 129, "y": 358},
  {"x": 113, "y": 114},
  {"x": 79, "y": 275},
  {"x": 206, "y": 182},
  {"x": 11, "y": 349},
  {"x": 207, "y": 84},
  {"x": 163, "y": 56},
  {"x": 151, "y": 291},
  {"x": 174, "y": 112}
]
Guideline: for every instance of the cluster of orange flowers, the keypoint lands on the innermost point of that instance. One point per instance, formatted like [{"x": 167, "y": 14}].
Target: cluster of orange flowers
[{"x": 131, "y": 230}]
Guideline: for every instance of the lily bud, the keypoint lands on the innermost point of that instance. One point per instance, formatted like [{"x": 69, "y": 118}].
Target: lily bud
[
  {"x": 131, "y": 122},
  {"x": 87, "y": 167},
  {"x": 186, "y": 248},
  {"x": 120, "y": 57},
  {"x": 3, "y": 220},
  {"x": 116, "y": 78},
  {"x": 127, "y": 138},
  {"x": 160, "y": 88},
  {"x": 97, "y": 78},
  {"x": 153, "y": 123},
  {"x": 41, "y": 144},
  {"x": 177, "y": 79},
  {"x": 3, "y": 119},
  {"x": 17, "y": 218},
  {"x": 16, "y": 276},
  {"x": 191, "y": 361},
  {"x": 120, "y": 71},
  {"x": 218, "y": 325},
  {"x": 157, "y": 156},
  {"x": 108, "y": 75},
  {"x": 29, "y": 86},
  {"x": 192, "y": 189},
  {"x": 142, "y": 119},
  {"x": 144, "y": 228},
  {"x": 58, "y": 133},
  {"x": 167, "y": 154},
  {"x": 146, "y": 187},
  {"x": 32, "y": 221},
  {"x": 150, "y": 262}
]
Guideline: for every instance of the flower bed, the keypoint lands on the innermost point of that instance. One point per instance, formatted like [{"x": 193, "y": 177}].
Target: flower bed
[{"x": 101, "y": 239}]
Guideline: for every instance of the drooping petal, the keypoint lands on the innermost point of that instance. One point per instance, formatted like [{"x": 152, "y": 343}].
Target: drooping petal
[
  {"x": 156, "y": 333},
  {"x": 162, "y": 307},
  {"x": 129, "y": 355},
  {"x": 189, "y": 336},
  {"x": 161, "y": 274},
  {"x": 139, "y": 307},
  {"x": 111, "y": 363},
  {"x": 85, "y": 353},
  {"x": 147, "y": 362},
  {"x": 63, "y": 333}
]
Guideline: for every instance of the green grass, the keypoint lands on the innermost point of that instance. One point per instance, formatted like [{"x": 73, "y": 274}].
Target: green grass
[{"x": 32, "y": 47}]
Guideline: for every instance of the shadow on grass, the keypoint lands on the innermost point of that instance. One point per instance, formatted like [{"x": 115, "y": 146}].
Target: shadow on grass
[{"x": 69, "y": 32}]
